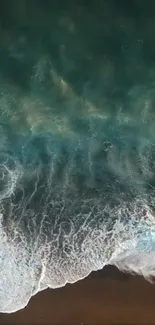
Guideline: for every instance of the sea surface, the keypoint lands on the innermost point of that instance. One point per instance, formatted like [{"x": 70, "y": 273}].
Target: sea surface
[{"x": 77, "y": 143}]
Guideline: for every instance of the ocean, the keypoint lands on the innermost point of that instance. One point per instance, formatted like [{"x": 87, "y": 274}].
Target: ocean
[{"x": 77, "y": 143}]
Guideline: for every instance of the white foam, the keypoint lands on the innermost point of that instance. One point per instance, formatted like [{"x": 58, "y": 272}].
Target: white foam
[{"x": 26, "y": 269}]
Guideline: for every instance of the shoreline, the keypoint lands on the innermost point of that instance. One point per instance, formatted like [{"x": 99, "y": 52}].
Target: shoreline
[{"x": 104, "y": 297}]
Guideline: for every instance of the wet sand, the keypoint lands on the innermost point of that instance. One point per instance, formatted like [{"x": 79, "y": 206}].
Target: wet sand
[{"x": 105, "y": 297}]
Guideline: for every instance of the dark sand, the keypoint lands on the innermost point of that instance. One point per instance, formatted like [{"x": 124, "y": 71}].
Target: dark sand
[{"x": 105, "y": 297}]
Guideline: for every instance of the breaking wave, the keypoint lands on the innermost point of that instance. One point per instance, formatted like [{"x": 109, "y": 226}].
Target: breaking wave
[{"x": 77, "y": 164}]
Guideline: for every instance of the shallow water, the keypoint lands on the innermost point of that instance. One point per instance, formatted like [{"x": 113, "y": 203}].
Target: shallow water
[{"x": 77, "y": 144}]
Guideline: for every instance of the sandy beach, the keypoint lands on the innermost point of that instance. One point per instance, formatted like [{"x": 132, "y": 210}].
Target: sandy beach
[{"x": 105, "y": 297}]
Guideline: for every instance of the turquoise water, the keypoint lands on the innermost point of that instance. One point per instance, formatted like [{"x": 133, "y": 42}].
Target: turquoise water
[{"x": 77, "y": 143}]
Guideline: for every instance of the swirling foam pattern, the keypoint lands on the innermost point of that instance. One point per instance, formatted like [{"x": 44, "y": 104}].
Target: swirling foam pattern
[{"x": 77, "y": 149}]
